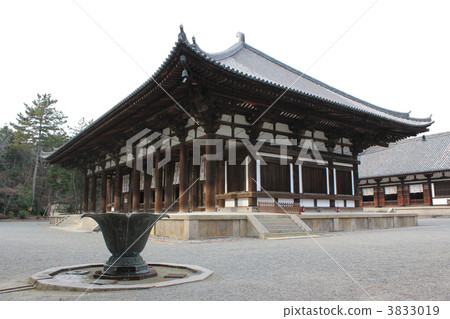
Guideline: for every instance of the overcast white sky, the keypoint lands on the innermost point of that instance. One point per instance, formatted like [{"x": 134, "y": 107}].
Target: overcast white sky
[{"x": 396, "y": 56}]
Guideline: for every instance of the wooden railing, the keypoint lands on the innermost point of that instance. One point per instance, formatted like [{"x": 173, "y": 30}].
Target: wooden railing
[
  {"x": 272, "y": 207},
  {"x": 61, "y": 220}
]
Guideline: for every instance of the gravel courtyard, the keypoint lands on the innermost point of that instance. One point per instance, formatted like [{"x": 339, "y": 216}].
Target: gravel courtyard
[{"x": 395, "y": 264}]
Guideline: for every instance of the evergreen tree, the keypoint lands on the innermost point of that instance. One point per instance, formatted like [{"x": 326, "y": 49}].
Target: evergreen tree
[
  {"x": 81, "y": 125},
  {"x": 40, "y": 128},
  {"x": 15, "y": 174}
]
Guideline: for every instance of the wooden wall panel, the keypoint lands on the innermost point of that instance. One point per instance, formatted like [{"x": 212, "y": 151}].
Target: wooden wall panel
[
  {"x": 344, "y": 182},
  {"x": 314, "y": 180},
  {"x": 275, "y": 177},
  {"x": 236, "y": 178}
]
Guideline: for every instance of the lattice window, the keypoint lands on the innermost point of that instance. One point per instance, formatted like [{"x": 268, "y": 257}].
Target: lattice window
[
  {"x": 368, "y": 194},
  {"x": 442, "y": 188},
  {"x": 202, "y": 168},
  {"x": 125, "y": 183},
  {"x": 141, "y": 181},
  {"x": 176, "y": 174}
]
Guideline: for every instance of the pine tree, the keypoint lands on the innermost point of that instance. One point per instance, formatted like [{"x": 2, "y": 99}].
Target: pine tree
[{"x": 37, "y": 129}]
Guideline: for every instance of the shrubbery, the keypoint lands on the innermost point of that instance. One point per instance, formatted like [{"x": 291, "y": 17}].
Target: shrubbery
[{"x": 23, "y": 214}]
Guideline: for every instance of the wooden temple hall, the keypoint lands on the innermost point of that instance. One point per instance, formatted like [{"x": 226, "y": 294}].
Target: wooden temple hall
[{"x": 230, "y": 96}]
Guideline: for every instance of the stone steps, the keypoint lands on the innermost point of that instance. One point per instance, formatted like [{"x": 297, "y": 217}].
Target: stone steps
[
  {"x": 279, "y": 226},
  {"x": 285, "y": 235},
  {"x": 282, "y": 229}
]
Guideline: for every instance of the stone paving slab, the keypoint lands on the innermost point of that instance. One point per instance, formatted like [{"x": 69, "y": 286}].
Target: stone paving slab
[{"x": 409, "y": 263}]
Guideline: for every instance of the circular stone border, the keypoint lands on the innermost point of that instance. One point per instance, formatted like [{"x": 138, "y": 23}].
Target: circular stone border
[{"x": 45, "y": 279}]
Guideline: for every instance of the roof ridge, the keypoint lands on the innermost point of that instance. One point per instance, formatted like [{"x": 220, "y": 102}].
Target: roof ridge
[
  {"x": 404, "y": 115},
  {"x": 377, "y": 149},
  {"x": 428, "y": 136}
]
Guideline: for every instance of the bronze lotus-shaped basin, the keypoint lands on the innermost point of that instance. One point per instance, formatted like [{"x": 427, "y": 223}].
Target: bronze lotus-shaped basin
[{"x": 125, "y": 236}]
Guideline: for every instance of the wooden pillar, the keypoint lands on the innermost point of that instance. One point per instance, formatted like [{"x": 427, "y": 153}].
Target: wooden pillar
[
  {"x": 190, "y": 174},
  {"x": 108, "y": 192},
  {"x": 135, "y": 183},
  {"x": 221, "y": 182},
  {"x": 183, "y": 198},
  {"x": 401, "y": 192},
  {"x": 93, "y": 190},
  {"x": 251, "y": 167},
  {"x": 103, "y": 192},
  {"x": 168, "y": 181},
  {"x": 196, "y": 188},
  {"x": 381, "y": 196},
  {"x": 86, "y": 192},
  {"x": 331, "y": 181},
  {"x": 210, "y": 183},
  {"x": 296, "y": 180},
  {"x": 117, "y": 188},
  {"x": 427, "y": 191},
  {"x": 147, "y": 191},
  {"x": 355, "y": 181},
  {"x": 158, "y": 189},
  {"x": 377, "y": 194}
]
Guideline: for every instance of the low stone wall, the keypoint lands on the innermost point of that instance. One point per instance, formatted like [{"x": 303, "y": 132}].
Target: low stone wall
[
  {"x": 73, "y": 221},
  {"x": 357, "y": 221},
  {"x": 201, "y": 225},
  {"x": 421, "y": 211},
  {"x": 216, "y": 225}
]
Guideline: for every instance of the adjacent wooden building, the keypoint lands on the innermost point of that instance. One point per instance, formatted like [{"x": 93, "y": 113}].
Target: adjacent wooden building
[
  {"x": 240, "y": 93},
  {"x": 411, "y": 172}
]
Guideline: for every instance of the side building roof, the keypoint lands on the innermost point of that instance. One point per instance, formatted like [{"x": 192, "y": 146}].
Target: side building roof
[{"x": 424, "y": 154}]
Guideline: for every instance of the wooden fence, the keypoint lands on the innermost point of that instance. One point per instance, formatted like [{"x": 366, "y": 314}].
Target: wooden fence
[{"x": 273, "y": 207}]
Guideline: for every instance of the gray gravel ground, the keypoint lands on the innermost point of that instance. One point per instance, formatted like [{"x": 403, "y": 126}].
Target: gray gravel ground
[{"x": 394, "y": 264}]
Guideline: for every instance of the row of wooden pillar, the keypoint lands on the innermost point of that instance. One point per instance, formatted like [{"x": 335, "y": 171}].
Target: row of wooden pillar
[
  {"x": 211, "y": 177},
  {"x": 403, "y": 196},
  {"x": 89, "y": 197}
]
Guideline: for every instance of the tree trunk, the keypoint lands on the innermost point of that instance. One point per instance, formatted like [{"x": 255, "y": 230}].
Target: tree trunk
[
  {"x": 5, "y": 208},
  {"x": 36, "y": 166}
]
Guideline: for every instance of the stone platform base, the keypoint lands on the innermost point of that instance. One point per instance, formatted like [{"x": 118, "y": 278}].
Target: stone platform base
[
  {"x": 189, "y": 226},
  {"x": 421, "y": 211},
  {"x": 358, "y": 221}
]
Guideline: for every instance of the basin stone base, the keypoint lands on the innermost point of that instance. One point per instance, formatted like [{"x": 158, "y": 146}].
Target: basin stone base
[
  {"x": 75, "y": 277},
  {"x": 126, "y": 268}
]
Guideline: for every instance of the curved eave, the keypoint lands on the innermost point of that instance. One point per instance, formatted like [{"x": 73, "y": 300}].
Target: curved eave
[{"x": 393, "y": 116}]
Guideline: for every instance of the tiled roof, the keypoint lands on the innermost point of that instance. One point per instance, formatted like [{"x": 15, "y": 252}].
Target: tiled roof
[
  {"x": 414, "y": 155},
  {"x": 246, "y": 60}
]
